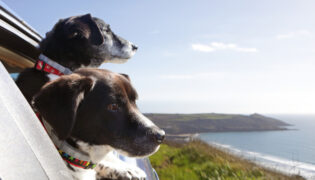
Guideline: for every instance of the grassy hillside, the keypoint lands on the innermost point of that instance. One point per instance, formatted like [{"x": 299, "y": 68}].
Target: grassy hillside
[
  {"x": 211, "y": 122},
  {"x": 198, "y": 160}
]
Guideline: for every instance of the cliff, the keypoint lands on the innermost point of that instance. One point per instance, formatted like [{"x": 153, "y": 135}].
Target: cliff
[{"x": 211, "y": 122}]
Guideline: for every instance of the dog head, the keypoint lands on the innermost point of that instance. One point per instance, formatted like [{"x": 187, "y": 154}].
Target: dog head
[
  {"x": 98, "y": 107},
  {"x": 85, "y": 41}
]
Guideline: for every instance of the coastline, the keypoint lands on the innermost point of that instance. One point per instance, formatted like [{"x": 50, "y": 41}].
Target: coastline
[
  {"x": 186, "y": 137},
  {"x": 270, "y": 162},
  {"x": 181, "y": 138}
]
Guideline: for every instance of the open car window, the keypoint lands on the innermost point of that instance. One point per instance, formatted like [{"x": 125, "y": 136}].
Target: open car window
[{"x": 18, "y": 41}]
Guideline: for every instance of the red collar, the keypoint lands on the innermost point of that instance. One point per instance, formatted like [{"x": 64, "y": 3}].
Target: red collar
[{"x": 50, "y": 66}]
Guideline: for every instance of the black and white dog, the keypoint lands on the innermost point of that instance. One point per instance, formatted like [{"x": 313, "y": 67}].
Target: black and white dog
[
  {"x": 75, "y": 42},
  {"x": 92, "y": 112}
]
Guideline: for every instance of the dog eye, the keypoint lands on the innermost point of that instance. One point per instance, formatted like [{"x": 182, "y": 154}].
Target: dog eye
[
  {"x": 73, "y": 34},
  {"x": 113, "y": 107},
  {"x": 107, "y": 29}
]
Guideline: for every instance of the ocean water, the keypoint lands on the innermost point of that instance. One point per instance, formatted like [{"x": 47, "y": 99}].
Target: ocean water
[{"x": 291, "y": 151}]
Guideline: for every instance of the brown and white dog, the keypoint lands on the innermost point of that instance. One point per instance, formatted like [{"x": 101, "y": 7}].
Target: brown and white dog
[
  {"x": 75, "y": 42},
  {"x": 92, "y": 112}
]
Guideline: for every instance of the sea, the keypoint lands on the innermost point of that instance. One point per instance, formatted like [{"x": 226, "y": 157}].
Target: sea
[{"x": 290, "y": 151}]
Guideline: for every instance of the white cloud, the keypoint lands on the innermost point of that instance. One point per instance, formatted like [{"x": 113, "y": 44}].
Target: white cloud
[
  {"x": 202, "y": 48},
  {"x": 216, "y": 46},
  {"x": 296, "y": 34}
]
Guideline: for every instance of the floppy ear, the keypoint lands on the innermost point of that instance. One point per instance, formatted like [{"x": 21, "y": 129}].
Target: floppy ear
[
  {"x": 126, "y": 76},
  {"x": 86, "y": 27},
  {"x": 58, "y": 101}
]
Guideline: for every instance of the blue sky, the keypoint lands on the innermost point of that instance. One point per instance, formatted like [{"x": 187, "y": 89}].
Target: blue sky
[{"x": 221, "y": 56}]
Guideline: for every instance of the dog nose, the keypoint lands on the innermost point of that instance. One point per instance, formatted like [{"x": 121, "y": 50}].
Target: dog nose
[
  {"x": 134, "y": 47},
  {"x": 159, "y": 136}
]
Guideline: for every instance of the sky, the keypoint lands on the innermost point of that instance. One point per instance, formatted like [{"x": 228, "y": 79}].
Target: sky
[{"x": 202, "y": 56}]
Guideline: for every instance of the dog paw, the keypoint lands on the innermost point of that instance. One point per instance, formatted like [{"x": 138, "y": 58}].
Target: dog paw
[
  {"x": 119, "y": 172},
  {"x": 131, "y": 174}
]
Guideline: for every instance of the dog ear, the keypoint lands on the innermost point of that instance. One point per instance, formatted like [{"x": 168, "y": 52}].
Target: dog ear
[
  {"x": 58, "y": 101},
  {"x": 85, "y": 26},
  {"x": 126, "y": 76}
]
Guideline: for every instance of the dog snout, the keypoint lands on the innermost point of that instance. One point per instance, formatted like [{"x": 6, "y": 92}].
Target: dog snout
[
  {"x": 158, "y": 136},
  {"x": 134, "y": 47}
]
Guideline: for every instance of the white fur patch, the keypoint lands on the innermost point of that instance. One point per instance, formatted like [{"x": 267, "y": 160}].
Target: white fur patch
[
  {"x": 109, "y": 166},
  {"x": 52, "y": 76},
  {"x": 117, "y": 61},
  {"x": 114, "y": 168},
  {"x": 83, "y": 174},
  {"x": 121, "y": 54},
  {"x": 96, "y": 152},
  {"x": 144, "y": 120}
]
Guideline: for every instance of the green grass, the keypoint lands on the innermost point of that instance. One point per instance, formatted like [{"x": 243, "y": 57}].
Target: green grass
[{"x": 197, "y": 160}]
